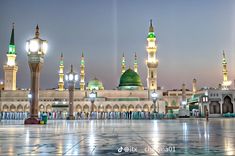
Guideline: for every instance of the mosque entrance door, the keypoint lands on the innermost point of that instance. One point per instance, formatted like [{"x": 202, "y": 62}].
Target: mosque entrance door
[
  {"x": 60, "y": 110},
  {"x": 227, "y": 105},
  {"x": 214, "y": 107}
]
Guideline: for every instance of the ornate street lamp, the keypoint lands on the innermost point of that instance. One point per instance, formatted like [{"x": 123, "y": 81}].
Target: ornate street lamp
[
  {"x": 71, "y": 79},
  {"x": 154, "y": 96},
  {"x": 36, "y": 49},
  {"x": 92, "y": 97}
]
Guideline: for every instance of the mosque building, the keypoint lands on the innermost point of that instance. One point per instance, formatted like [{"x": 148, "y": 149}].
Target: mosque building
[
  {"x": 217, "y": 101},
  {"x": 130, "y": 94}
]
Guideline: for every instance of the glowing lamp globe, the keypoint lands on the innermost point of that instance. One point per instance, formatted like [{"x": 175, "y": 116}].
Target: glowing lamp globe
[
  {"x": 154, "y": 95},
  {"x": 36, "y": 45},
  {"x": 71, "y": 76},
  {"x": 92, "y": 96}
]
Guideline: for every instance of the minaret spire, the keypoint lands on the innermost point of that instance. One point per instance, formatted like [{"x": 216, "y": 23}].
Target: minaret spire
[
  {"x": 37, "y": 31},
  {"x": 123, "y": 63},
  {"x": 151, "y": 29},
  {"x": 152, "y": 61},
  {"x": 12, "y": 40},
  {"x": 11, "y": 46},
  {"x": 135, "y": 64},
  {"x": 10, "y": 69},
  {"x": 61, "y": 73},
  {"x": 82, "y": 73},
  {"x": 225, "y": 71},
  {"x": 194, "y": 86},
  {"x": 226, "y": 83}
]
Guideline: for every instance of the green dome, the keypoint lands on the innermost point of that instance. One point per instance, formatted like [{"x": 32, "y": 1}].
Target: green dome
[
  {"x": 95, "y": 84},
  {"x": 130, "y": 80}
]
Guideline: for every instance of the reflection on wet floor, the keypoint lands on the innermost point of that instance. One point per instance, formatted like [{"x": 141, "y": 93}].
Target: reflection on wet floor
[{"x": 118, "y": 137}]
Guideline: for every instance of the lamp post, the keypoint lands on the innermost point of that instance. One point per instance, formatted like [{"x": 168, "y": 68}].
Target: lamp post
[
  {"x": 36, "y": 49},
  {"x": 154, "y": 96},
  {"x": 92, "y": 97},
  {"x": 71, "y": 78}
]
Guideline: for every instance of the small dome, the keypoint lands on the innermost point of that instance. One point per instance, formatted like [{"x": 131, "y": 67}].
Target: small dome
[
  {"x": 130, "y": 80},
  {"x": 95, "y": 84}
]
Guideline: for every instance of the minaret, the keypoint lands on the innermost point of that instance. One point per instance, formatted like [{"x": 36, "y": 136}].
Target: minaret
[
  {"x": 61, "y": 74},
  {"x": 123, "y": 63},
  {"x": 135, "y": 64},
  {"x": 82, "y": 73},
  {"x": 225, "y": 71},
  {"x": 183, "y": 92},
  {"x": 152, "y": 61},
  {"x": 10, "y": 68},
  {"x": 194, "y": 86},
  {"x": 226, "y": 84}
]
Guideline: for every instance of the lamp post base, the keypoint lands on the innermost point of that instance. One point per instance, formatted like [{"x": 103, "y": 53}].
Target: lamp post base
[
  {"x": 31, "y": 120},
  {"x": 71, "y": 117}
]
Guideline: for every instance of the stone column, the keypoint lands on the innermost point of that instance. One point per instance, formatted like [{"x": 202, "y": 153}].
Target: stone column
[
  {"x": 71, "y": 98},
  {"x": 221, "y": 107},
  {"x": 35, "y": 76},
  {"x": 35, "y": 69}
]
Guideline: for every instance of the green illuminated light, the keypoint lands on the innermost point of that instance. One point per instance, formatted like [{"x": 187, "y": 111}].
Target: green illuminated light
[
  {"x": 12, "y": 49},
  {"x": 151, "y": 35}
]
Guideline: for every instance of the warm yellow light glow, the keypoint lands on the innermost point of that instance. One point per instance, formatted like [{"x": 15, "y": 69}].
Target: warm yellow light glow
[
  {"x": 151, "y": 44},
  {"x": 11, "y": 59},
  {"x": 227, "y": 83}
]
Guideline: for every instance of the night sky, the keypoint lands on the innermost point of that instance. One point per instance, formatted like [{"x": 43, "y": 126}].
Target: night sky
[{"x": 191, "y": 35}]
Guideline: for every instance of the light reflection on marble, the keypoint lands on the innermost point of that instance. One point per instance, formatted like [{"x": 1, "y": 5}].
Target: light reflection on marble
[{"x": 104, "y": 137}]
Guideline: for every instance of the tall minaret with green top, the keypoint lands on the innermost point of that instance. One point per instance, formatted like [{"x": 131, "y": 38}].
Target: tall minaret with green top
[
  {"x": 152, "y": 61},
  {"x": 123, "y": 63},
  {"x": 10, "y": 68},
  {"x": 61, "y": 74},
  {"x": 135, "y": 64},
  {"x": 82, "y": 73}
]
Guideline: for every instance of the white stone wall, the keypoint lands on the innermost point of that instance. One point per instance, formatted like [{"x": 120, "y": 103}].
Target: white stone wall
[{"x": 106, "y": 100}]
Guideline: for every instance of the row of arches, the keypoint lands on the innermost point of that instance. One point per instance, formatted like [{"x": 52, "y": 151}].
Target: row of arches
[
  {"x": 80, "y": 108},
  {"x": 13, "y": 108},
  {"x": 115, "y": 108},
  {"x": 21, "y": 108},
  {"x": 227, "y": 106}
]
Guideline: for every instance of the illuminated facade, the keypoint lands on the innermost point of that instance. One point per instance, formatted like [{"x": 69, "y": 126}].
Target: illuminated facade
[
  {"x": 152, "y": 61},
  {"x": 129, "y": 95},
  {"x": 10, "y": 68}
]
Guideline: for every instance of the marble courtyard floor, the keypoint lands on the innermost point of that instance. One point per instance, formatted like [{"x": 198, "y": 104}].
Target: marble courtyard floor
[{"x": 119, "y": 137}]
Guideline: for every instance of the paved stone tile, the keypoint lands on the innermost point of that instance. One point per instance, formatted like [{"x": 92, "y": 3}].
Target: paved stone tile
[{"x": 119, "y": 137}]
